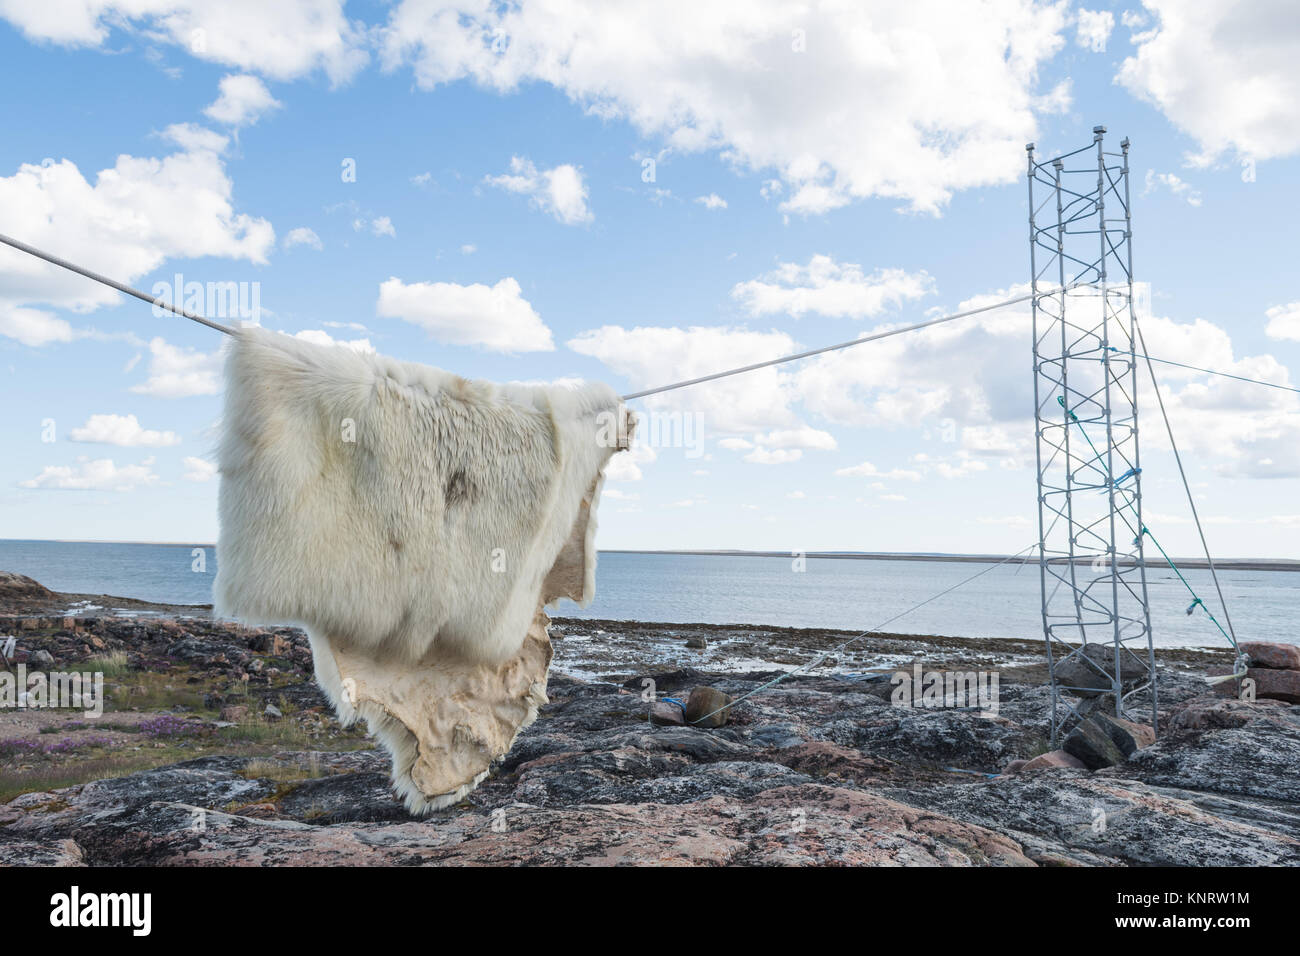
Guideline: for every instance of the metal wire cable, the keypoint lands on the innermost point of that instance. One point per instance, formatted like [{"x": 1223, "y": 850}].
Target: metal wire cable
[
  {"x": 1182, "y": 473},
  {"x": 113, "y": 283},
  {"x": 195, "y": 317},
  {"x": 845, "y": 345},
  {"x": 1210, "y": 371}
]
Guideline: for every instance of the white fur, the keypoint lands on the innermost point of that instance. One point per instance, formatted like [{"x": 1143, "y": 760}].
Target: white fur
[{"x": 460, "y": 506}]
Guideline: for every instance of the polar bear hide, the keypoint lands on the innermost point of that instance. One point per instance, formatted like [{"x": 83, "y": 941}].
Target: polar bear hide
[{"x": 416, "y": 523}]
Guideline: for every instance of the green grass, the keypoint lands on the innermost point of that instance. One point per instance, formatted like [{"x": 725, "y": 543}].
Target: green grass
[
  {"x": 111, "y": 665},
  {"x": 59, "y": 774},
  {"x": 281, "y": 771},
  {"x": 144, "y": 690},
  {"x": 98, "y": 725}
]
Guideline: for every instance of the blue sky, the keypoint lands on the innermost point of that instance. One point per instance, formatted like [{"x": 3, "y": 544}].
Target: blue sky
[{"x": 817, "y": 175}]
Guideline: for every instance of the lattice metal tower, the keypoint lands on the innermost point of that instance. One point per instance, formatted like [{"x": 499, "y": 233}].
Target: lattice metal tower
[{"x": 1091, "y": 564}]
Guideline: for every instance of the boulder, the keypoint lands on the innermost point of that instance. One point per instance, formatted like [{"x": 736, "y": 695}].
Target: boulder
[
  {"x": 1053, "y": 760},
  {"x": 1091, "y": 743},
  {"x": 1272, "y": 655},
  {"x": 234, "y": 713},
  {"x": 1143, "y": 734},
  {"x": 1211, "y": 713},
  {"x": 1080, "y": 671},
  {"x": 1128, "y": 736},
  {"x": 19, "y": 587},
  {"x": 1276, "y": 685},
  {"x": 665, "y": 714},
  {"x": 1270, "y": 684},
  {"x": 702, "y": 703},
  {"x": 697, "y": 643},
  {"x": 272, "y": 644}
]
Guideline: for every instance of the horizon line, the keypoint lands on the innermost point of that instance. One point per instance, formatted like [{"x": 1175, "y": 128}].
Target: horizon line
[{"x": 722, "y": 552}]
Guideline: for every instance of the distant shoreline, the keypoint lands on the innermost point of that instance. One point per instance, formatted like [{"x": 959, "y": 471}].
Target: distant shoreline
[{"x": 1226, "y": 564}]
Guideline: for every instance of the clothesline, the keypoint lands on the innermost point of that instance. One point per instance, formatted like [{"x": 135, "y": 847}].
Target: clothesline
[
  {"x": 195, "y": 317},
  {"x": 849, "y": 344},
  {"x": 113, "y": 283}
]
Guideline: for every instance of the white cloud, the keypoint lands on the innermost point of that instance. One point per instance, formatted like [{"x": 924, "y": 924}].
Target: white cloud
[
  {"x": 321, "y": 337},
  {"x": 123, "y": 430},
  {"x": 283, "y": 40},
  {"x": 496, "y": 317},
  {"x": 1224, "y": 72},
  {"x": 913, "y": 101},
  {"x": 956, "y": 373},
  {"x": 781, "y": 445},
  {"x": 302, "y": 236},
  {"x": 1093, "y": 29},
  {"x": 33, "y": 327},
  {"x": 198, "y": 469},
  {"x": 97, "y": 475},
  {"x": 650, "y": 356},
  {"x": 243, "y": 100},
  {"x": 954, "y": 382},
  {"x": 1057, "y": 100},
  {"x": 773, "y": 456},
  {"x": 1284, "y": 322},
  {"x": 868, "y": 470},
  {"x": 179, "y": 372},
  {"x": 797, "y": 438},
  {"x": 133, "y": 217},
  {"x": 626, "y": 466},
  {"x": 378, "y": 226},
  {"x": 711, "y": 201},
  {"x": 560, "y": 192},
  {"x": 468, "y": 249},
  {"x": 1179, "y": 187},
  {"x": 963, "y": 468},
  {"x": 1248, "y": 431},
  {"x": 829, "y": 288}
]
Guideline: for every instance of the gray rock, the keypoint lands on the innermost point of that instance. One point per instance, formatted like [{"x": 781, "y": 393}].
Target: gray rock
[
  {"x": 1091, "y": 743},
  {"x": 776, "y": 736},
  {"x": 1090, "y": 670},
  {"x": 1128, "y": 736},
  {"x": 666, "y": 714},
  {"x": 813, "y": 770},
  {"x": 1054, "y": 760}
]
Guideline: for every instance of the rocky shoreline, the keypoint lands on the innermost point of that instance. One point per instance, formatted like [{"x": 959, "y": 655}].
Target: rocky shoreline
[{"x": 216, "y": 748}]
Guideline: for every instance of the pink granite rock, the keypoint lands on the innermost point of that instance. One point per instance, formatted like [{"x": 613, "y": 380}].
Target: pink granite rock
[
  {"x": 1271, "y": 654},
  {"x": 1054, "y": 760}
]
